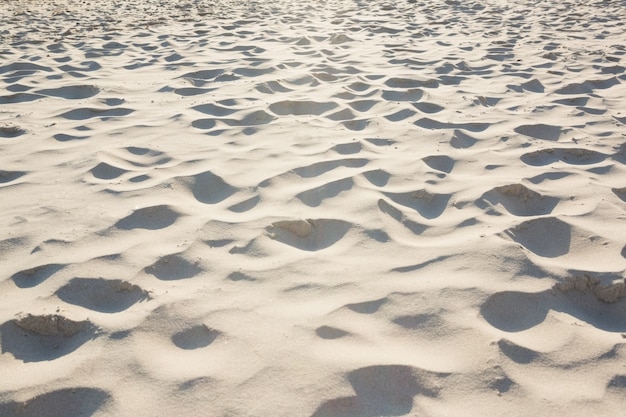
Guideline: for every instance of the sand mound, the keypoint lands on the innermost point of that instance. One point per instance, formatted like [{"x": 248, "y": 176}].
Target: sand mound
[
  {"x": 152, "y": 218},
  {"x": 98, "y": 294},
  {"x": 600, "y": 306},
  {"x": 44, "y": 338},
  {"x": 310, "y": 234},
  {"x": 35, "y": 276},
  {"x": 382, "y": 390},
  {"x": 75, "y": 401},
  {"x": 195, "y": 337},
  {"x": 607, "y": 293},
  {"x": 520, "y": 200},
  {"x": 174, "y": 267}
]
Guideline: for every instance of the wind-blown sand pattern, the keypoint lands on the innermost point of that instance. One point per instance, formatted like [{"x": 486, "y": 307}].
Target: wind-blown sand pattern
[{"x": 329, "y": 208}]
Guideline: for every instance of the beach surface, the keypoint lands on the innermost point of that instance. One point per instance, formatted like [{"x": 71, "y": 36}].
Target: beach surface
[{"x": 332, "y": 208}]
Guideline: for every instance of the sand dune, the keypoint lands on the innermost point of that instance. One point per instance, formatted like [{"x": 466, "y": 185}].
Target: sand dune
[{"x": 331, "y": 208}]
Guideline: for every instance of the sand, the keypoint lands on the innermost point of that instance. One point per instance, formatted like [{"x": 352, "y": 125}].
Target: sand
[{"x": 326, "y": 208}]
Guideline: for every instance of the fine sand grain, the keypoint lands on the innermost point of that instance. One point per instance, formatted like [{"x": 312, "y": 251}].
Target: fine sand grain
[{"x": 334, "y": 208}]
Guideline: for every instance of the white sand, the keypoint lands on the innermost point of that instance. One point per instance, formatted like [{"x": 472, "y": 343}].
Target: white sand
[{"x": 322, "y": 208}]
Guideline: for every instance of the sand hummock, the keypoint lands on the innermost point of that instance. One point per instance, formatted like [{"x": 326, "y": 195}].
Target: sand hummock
[{"x": 335, "y": 208}]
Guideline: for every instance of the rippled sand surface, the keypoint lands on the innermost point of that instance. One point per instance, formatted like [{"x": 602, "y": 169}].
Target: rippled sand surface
[{"x": 328, "y": 208}]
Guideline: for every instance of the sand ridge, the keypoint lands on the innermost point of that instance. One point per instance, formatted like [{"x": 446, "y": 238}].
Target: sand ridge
[{"x": 324, "y": 208}]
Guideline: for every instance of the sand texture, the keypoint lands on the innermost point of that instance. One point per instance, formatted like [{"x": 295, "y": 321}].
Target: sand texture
[{"x": 333, "y": 208}]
